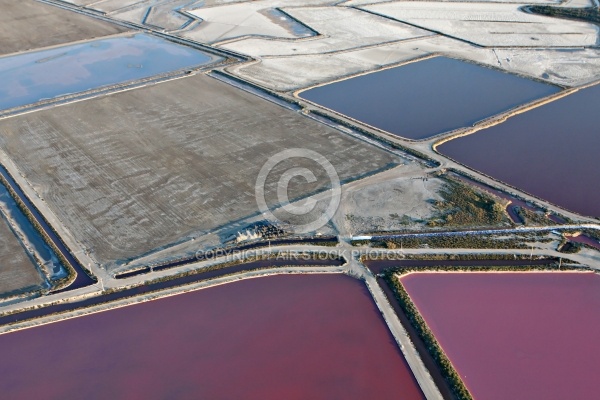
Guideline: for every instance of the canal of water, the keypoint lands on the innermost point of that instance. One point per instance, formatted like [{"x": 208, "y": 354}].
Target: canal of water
[{"x": 30, "y": 236}]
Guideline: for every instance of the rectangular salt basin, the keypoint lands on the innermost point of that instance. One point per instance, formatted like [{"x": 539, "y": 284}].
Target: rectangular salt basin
[
  {"x": 515, "y": 335},
  {"x": 30, "y": 77},
  {"x": 550, "y": 152},
  {"x": 280, "y": 337},
  {"x": 429, "y": 97}
]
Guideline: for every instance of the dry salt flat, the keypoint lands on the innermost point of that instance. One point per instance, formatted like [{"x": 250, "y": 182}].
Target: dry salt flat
[
  {"x": 491, "y": 24},
  {"x": 297, "y": 44},
  {"x": 260, "y": 18},
  {"x": 339, "y": 29}
]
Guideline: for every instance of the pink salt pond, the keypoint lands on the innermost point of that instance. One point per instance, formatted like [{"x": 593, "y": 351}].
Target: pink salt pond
[
  {"x": 282, "y": 337},
  {"x": 516, "y": 335}
]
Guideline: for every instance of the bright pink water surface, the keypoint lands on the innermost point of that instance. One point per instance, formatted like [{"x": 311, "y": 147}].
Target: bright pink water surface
[
  {"x": 283, "y": 337},
  {"x": 516, "y": 335}
]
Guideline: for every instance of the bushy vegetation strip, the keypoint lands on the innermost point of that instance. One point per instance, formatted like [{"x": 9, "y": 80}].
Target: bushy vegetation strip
[
  {"x": 466, "y": 241},
  {"x": 464, "y": 257},
  {"x": 589, "y": 14},
  {"x": 448, "y": 371}
]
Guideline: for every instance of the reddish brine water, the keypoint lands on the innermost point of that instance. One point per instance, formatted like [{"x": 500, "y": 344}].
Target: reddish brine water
[
  {"x": 516, "y": 335},
  {"x": 550, "y": 151},
  {"x": 583, "y": 239},
  {"x": 282, "y": 337}
]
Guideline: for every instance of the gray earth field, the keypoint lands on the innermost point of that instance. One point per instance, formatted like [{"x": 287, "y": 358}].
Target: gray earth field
[
  {"x": 27, "y": 25},
  {"x": 393, "y": 200},
  {"x": 138, "y": 170},
  {"x": 18, "y": 273}
]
